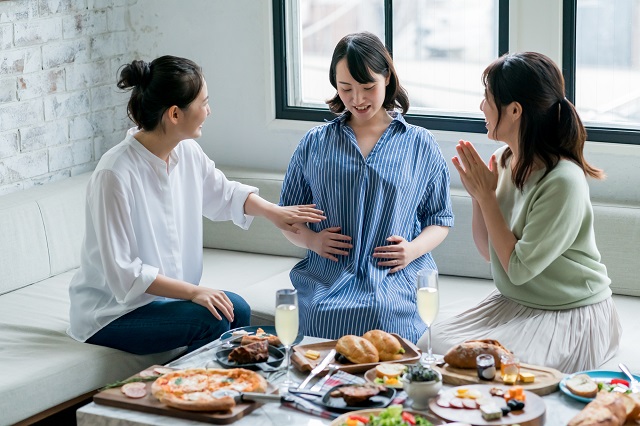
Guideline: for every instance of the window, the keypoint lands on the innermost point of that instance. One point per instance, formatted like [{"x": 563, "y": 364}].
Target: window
[
  {"x": 606, "y": 74},
  {"x": 440, "y": 48}
]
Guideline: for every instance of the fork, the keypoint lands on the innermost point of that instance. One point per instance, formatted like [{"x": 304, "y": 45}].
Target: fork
[
  {"x": 318, "y": 386},
  {"x": 633, "y": 383}
]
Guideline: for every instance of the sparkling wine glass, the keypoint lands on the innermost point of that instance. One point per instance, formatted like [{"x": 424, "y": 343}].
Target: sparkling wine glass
[
  {"x": 428, "y": 304},
  {"x": 287, "y": 325}
]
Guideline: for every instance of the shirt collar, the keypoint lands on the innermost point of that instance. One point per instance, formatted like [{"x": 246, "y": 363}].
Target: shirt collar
[
  {"x": 148, "y": 155},
  {"x": 397, "y": 117}
]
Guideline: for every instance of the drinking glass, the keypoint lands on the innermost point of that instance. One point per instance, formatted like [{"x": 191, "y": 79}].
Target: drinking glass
[
  {"x": 428, "y": 305},
  {"x": 287, "y": 325}
]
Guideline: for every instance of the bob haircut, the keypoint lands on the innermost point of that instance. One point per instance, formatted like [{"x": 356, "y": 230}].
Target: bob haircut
[
  {"x": 366, "y": 55},
  {"x": 550, "y": 128},
  {"x": 159, "y": 85}
]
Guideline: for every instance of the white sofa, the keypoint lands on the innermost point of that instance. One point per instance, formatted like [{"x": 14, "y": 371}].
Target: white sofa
[{"x": 41, "y": 230}]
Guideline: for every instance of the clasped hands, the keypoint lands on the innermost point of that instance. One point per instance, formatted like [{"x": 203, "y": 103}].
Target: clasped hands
[
  {"x": 479, "y": 179},
  {"x": 329, "y": 243}
]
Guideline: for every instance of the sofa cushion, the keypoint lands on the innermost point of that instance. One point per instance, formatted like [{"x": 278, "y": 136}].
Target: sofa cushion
[
  {"x": 40, "y": 365},
  {"x": 24, "y": 258},
  {"x": 262, "y": 236},
  {"x": 618, "y": 236}
]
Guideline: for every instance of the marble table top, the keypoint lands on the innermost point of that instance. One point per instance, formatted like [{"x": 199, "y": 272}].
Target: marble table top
[{"x": 560, "y": 408}]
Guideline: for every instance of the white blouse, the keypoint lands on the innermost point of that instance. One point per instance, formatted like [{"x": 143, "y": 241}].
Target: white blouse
[{"x": 144, "y": 218}]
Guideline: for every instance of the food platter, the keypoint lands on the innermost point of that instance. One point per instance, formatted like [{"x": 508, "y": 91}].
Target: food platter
[
  {"x": 532, "y": 415},
  {"x": 340, "y": 421},
  {"x": 337, "y": 403},
  {"x": 370, "y": 376},
  {"x": 303, "y": 364},
  {"x": 546, "y": 378},
  {"x": 251, "y": 329},
  {"x": 597, "y": 376},
  {"x": 275, "y": 359}
]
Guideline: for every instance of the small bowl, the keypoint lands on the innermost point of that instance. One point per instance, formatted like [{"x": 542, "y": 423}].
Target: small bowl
[{"x": 421, "y": 392}]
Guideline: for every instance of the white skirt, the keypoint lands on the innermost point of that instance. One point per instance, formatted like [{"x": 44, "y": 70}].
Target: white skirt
[{"x": 568, "y": 340}]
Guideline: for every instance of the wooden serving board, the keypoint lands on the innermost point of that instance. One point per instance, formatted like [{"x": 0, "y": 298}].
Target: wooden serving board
[
  {"x": 532, "y": 415},
  {"x": 302, "y": 363},
  {"x": 546, "y": 381},
  {"x": 149, "y": 404}
]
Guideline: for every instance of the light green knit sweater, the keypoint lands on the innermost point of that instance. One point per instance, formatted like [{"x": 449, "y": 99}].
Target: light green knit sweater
[{"x": 555, "y": 264}]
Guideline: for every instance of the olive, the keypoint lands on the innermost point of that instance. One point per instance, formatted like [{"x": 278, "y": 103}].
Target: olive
[
  {"x": 341, "y": 358},
  {"x": 515, "y": 405},
  {"x": 505, "y": 410}
]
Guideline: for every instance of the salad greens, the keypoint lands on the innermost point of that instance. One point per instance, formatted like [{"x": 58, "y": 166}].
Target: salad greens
[{"x": 393, "y": 416}]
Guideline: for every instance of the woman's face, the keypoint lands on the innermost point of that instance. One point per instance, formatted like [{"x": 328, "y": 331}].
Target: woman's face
[
  {"x": 488, "y": 107},
  {"x": 196, "y": 114},
  {"x": 363, "y": 101}
]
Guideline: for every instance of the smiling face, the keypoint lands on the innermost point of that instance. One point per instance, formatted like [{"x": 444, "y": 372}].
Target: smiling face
[
  {"x": 363, "y": 100},
  {"x": 502, "y": 127},
  {"x": 195, "y": 115}
]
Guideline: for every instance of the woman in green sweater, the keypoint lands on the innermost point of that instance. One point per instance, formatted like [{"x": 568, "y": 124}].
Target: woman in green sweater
[{"x": 533, "y": 220}]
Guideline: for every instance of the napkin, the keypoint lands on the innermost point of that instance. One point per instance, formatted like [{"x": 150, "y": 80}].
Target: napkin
[{"x": 340, "y": 377}]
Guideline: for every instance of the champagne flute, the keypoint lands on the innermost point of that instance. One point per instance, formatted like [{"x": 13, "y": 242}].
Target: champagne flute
[
  {"x": 287, "y": 325},
  {"x": 428, "y": 304}
]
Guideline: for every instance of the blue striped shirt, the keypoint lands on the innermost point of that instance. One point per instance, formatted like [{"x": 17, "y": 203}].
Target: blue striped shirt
[{"x": 400, "y": 188}]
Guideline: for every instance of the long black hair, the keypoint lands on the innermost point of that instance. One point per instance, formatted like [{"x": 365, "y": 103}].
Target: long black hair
[
  {"x": 365, "y": 54},
  {"x": 550, "y": 128},
  {"x": 159, "y": 85}
]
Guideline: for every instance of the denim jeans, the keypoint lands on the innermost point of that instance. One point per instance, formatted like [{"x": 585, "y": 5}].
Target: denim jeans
[{"x": 169, "y": 324}]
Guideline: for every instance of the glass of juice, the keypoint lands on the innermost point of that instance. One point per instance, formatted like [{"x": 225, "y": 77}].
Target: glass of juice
[{"x": 509, "y": 369}]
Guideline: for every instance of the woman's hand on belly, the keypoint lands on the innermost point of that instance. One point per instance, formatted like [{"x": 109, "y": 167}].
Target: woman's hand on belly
[
  {"x": 329, "y": 243},
  {"x": 396, "y": 255}
]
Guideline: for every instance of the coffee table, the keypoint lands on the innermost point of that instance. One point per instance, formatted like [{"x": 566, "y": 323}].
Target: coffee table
[{"x": 560, "y": 408}]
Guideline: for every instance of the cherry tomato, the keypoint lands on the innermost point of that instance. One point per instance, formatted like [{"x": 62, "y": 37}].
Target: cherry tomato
[
  {"x": 408, "y": 417},
  {"x": 360, "y": 419},
  {"x": 619, "y": 382}
]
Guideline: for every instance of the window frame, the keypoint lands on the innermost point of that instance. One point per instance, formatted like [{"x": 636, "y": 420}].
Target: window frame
[
  {"x": 432, "y": 122},
  {"x": 569, "y": 67},
  {"x": 441, "y": 122}
]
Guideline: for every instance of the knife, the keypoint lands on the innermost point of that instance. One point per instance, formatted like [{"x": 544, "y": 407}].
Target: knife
[
  {"x": 326, "y": 361},
  {"x": 240, "y": 397}
]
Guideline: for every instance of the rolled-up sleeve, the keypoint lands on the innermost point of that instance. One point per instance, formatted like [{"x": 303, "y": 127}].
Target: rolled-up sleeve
[
  {"x": 295, "y": 188},
  {"x": 435, "y": 207},
  {"x": 224, "y": 199}
]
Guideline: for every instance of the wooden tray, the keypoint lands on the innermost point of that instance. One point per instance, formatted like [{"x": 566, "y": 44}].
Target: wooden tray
[
  {"x": 115, "y": 398},
  {"x": 532, "y": 414},
  {"x": 302, "y": 363},
  {"x": 546, "y": 382}
]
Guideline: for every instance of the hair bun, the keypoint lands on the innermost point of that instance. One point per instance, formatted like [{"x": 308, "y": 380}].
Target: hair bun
[{"x": 137, "y": 73}]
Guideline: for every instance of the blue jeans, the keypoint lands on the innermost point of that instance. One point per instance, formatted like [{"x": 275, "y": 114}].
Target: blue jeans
[{"x": 169, "y": 324}]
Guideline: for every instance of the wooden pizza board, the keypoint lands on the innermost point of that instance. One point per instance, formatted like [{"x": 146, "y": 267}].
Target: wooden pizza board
[
  {"x": 532, "y": 415},
  {"x": 149, "y": 404},
  {"x": 302, "y": 363},
  {"x": 546, "y": 381}
]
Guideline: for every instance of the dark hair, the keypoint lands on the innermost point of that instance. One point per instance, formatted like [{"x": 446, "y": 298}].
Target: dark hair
[
  {"x": 165, "y": 82},
  {"x": 365, "y": 54},
  {"x": 550, "y": 128}
]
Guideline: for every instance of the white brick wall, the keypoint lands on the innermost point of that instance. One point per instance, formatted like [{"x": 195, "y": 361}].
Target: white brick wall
[{"x": 60, "y": 109}]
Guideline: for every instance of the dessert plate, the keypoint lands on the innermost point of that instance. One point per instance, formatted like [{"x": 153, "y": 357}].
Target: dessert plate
[{"x": 251, "y": 329}]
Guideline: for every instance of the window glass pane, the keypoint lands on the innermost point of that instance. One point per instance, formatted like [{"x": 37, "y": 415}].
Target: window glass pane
[
  {"x": 440, "y": 49},
  {"x": 608, "y": 63},
  {"x": 321, "y": 24}
]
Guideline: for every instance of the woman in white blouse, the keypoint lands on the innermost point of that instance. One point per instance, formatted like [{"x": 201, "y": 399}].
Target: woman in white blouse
[{"x": 137, "y": 287}]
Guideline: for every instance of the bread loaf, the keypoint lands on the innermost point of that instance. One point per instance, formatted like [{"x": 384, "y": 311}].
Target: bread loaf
[
  {"x": 357, "y": 349},
  {"x": 608, "y": 409},
  {"x": 464, "y": 355},
  {"x": 389, "y": 348}
]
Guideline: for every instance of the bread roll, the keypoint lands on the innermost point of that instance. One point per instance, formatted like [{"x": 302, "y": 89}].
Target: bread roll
[
  {"x": 464, "y": 355},
  {"x": 389, "y": 348},
  {"x": 357, "y": 349},
  {"x": 582, "y": 385}
]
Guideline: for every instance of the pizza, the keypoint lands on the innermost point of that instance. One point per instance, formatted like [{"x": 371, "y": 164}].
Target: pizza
[{"x": 193, "y": 389}]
